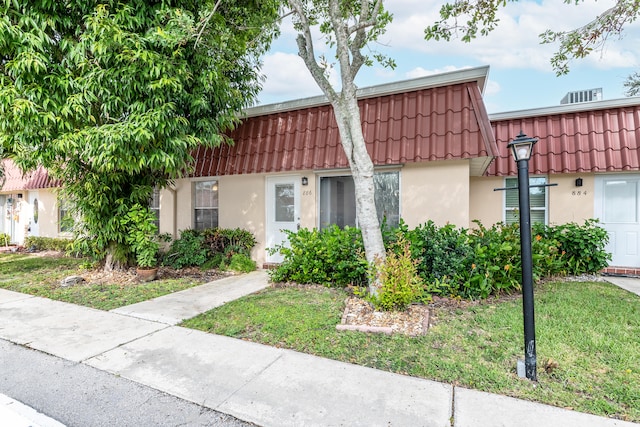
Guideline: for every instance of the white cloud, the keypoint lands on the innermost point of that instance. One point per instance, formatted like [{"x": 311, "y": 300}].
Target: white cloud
[
  {"x": 421, "y": 72},
  {"x": 515, "y": 43},
  {"x": 513, "y": 47},
  {"x": 493, "y": 88},
  {"x": 289, "y": 78}
]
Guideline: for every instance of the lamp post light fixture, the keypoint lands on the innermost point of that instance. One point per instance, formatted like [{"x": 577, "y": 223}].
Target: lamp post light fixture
[{"x": 521, "y": 148}]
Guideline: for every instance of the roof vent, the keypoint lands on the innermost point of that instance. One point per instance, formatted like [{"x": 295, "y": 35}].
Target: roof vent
[{"x": 582, "y": 96}]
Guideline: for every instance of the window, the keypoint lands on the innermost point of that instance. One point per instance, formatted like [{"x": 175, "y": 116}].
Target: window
[
  {"x": 206, "y": 205},
  {"x": 338, "y": 199},
  {"x": 154, "y": 206},
  {"x": 537, "y": 201},
  {"x": 65, "y": 217}
]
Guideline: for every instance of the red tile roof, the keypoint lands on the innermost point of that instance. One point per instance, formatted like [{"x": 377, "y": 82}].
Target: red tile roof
[
  {"x": 423, "y": 124},
  {"x": 15, "y": 180},
  {"x": 593, "y": 137}
]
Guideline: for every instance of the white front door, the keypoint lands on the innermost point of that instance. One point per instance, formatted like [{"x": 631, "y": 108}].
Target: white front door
[
  {"x": 618, "y": 208},
  {"x": 283, "y": 211}
]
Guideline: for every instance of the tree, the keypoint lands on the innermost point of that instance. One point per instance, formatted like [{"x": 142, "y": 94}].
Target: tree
[
  {"x": 349, "y": 26},
  {"x": 112, "y": 96},
  {"x": 632, "y": 83},
  {"x": 479, "y": 16}
]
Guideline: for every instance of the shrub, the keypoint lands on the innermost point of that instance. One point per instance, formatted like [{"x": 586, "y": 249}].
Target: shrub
[
  {"x": 229, "y": 241},
  {"x": 188, "y": 250},
  {"x": 241, "y": 263},
  {"x": 331, "y": 257},
  {"x": 439, "y": 251},
  {"x": 581, "y": 247},
  {"x": 44, "y": 243},
  {"x": 493, "y": 265},
  {"x": 5, "y": 239},
  {"x": 400, "y": 284}
]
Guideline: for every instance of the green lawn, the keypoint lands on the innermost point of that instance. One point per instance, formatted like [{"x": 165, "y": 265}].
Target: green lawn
[
  {"x": 41, "y": 275},
  {"x": 591, "y": 330}
]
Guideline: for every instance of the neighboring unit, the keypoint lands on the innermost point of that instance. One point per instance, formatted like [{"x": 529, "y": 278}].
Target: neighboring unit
[{"x": 438, "y": 156}]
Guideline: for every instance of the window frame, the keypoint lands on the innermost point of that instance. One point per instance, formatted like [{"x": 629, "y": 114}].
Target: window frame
[
  {"x": 347, "y": 173},
  {"x": 64, "y": 210},
  {"x": 505, "y": 208},
  {"x": 196, "y": 208},
  {"x": 154, "y": 206}
]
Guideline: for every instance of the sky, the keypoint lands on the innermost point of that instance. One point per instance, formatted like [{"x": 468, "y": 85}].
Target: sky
[{"x": 520, "y": 76}]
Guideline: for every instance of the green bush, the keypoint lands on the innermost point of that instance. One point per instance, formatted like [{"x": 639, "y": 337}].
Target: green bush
[
  {"x": 4, "y": 239},
  {"x": 331, "y": 257},
  {"x": 229, "y": 241},
  {"x": 45, "y": 243},
  {"x": 400, "y": 284},
  {"x": 439, "y": 251},
  {"x": 241, "y": 263},
  {"x": 187, "y": 251},
  {"x": 581, "y": 247},
  {"x": 493, "y": 265},
  {"x": 211, "y": 248},
  {"x": 471, "y": 263}
]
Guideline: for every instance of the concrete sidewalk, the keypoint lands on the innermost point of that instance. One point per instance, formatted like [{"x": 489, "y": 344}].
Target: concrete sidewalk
[{"x": 257, "y": 383}]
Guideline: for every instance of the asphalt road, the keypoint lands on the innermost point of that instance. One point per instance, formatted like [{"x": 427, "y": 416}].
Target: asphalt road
[{"x": 79, "y": 395}]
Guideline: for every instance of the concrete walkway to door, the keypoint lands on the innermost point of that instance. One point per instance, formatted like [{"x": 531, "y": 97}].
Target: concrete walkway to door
[{"x": 631, "y": 284}]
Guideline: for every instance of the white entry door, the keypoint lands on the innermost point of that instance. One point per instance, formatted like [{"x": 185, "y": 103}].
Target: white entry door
[
  {"x": 618, "y": 208},
  {"x": 283, "y": 211}
]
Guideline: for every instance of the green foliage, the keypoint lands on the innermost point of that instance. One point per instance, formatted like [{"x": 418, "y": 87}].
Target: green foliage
[
  {"x": 213, "y": 248},
  {"x": 331, "y": 257},
  {"x": 4, "y": 239},
  {"x": 141, "y": 233},
  {"x": 493, "y": 265},
  {"x": 112, "y": 97},
  {"x": 440, "y": 251},
  {"x": 229, "y": 241},
  {"x": 45, "y": 243},
  {"x": 580, "y": 248},
  {"x": 242, "y": 263},
  {"x": 189, "y": 250},
  {"x": 400, "y": 284},
  {"x": 473, "y": 263}
]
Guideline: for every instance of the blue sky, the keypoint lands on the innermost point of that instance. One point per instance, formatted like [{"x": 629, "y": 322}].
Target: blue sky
[{"x": 520, "y": 75}]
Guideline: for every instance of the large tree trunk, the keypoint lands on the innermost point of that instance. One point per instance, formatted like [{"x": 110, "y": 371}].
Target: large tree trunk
[
  {"x": 347, "y": 114},
  {"x": 113, "y": 262}
]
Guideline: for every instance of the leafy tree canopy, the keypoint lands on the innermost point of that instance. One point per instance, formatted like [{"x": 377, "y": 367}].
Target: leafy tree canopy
[
  {"x": 471, "y": 18},
  {"x": 112, "y": 96}
]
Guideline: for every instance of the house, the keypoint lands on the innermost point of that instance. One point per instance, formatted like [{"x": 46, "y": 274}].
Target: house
[
  {"x": 438, "y": 156},
  {"x": 28, "y": 205}
]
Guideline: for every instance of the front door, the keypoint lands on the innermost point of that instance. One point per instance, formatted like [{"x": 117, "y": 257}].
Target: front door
[
  {"x": 283, "y": 211},
  {"x": 618, "y": 208}
]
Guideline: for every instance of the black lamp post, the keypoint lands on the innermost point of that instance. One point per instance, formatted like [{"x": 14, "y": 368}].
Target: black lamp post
[{"x": 521, "y": 148}]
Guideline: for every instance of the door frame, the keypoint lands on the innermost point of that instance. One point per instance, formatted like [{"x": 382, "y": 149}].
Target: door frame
[
  {"x": 273, "y": 235},
  {"x": 599, "y": 212}
]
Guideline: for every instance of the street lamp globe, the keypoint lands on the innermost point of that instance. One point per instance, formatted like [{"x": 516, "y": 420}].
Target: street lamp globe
[{"x": 522, "y": 146}]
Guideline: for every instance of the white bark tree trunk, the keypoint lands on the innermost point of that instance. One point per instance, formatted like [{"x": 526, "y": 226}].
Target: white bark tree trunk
[{"x": 350, "y": 37}]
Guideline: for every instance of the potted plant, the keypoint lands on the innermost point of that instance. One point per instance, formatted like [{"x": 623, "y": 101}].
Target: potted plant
[{"x": 142, "y": 238}]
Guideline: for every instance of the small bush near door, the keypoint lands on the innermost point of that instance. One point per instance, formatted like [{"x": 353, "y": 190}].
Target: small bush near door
[
  {"x": 330, "y": 257},
  {"x": 212, "y": 248}
]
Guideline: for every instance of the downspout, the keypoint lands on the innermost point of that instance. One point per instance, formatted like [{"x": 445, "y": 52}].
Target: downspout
[{"x": 174, "y": 193}]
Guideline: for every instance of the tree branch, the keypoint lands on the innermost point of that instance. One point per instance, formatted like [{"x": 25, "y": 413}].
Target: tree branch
[{"x": 307, "y": 53}]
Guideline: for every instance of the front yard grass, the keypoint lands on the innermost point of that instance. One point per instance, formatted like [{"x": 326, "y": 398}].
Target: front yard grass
[
  {"x": 41, "y": 275},
  {"x": 590, "y": 329}
]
